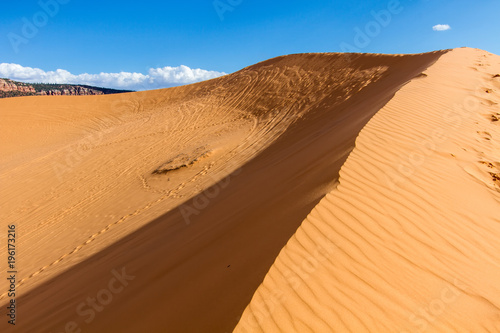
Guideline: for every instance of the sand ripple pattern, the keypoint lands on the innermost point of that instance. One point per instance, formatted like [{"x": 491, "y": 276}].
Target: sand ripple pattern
[
  {"x": 94, "y": 170},
  {"x": 409, "y": 241}
]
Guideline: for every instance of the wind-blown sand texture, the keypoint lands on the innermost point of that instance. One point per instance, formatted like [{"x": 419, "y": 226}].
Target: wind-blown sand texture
[
  {"x": 409, "y": 240},
  {"x": 195, "y": 190}
]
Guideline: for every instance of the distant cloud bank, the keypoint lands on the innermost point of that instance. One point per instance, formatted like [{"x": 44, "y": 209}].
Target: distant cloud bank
[
  {"x": 155, "y": 78},
  {"x": 441, "y": 27}
]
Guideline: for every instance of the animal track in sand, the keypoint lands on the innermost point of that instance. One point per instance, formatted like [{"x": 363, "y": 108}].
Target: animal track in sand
[
  {"x": 488, "y": 164},
  {"x": 267, "y": 125},
  {"x": 485, "y": 135},
  {"x": 93, "y": 237},
  {"x": 493, "y": 169},
  {"x": 166, "y": 194},
  {"x": 495, "y": 176}
]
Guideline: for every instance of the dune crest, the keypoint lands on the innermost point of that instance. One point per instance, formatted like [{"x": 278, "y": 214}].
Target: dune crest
[
  {"x": 192, "y": 191},
  {"x": 409, "y": 240}
]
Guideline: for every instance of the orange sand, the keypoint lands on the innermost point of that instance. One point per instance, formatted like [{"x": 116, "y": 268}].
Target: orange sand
[{"x": 194, "y": 190}]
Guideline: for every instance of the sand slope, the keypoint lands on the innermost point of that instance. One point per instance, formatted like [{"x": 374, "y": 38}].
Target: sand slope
[
  {"x": 409, "y": 240},
  {"x": 192, "y": 190}
]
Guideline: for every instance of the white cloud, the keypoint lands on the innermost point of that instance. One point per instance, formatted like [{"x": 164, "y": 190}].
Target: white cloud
[
  {"x": 441, "y": 27},
  {"x": 155, "y": 78}
]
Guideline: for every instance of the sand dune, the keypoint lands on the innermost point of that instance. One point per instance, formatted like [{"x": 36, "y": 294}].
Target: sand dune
[
  {"x": 408, "y": 241},
  {"x": 186, "y": 196}
]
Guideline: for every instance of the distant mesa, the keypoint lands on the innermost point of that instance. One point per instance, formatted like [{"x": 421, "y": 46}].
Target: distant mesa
[{"x": 10, "y": 88}]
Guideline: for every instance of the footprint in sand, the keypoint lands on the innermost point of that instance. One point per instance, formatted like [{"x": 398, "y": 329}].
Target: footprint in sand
[{"x": 485, "y": 135}]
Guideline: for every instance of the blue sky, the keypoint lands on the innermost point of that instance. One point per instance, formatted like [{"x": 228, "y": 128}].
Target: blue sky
[{"x": 137, "y": 36}]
